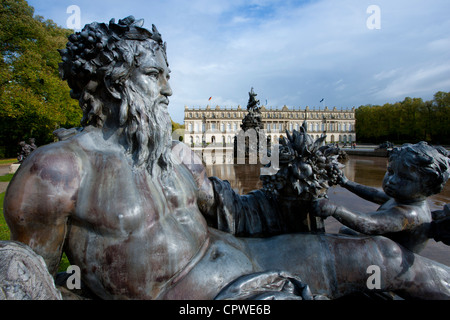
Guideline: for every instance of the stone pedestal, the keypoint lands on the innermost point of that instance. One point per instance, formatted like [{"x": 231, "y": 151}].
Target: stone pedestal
[{"x": 24, "y": 275}]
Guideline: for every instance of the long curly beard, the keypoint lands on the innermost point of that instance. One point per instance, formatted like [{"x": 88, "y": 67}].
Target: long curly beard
[{"x": 147, "y": 130}]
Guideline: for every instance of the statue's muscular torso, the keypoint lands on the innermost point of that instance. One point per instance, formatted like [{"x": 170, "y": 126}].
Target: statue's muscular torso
[
  {"x": 135, "y": 236},
  {"x": 131, "y": 234}
]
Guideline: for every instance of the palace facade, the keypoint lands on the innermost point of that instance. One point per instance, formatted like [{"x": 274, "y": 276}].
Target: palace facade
[{"x": 220, "y": 125}]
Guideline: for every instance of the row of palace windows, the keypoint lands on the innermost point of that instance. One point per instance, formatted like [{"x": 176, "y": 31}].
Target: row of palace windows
[
  {"x": 312, "y": 127},
  {"x": 229, "y": 139},
  {"x": 273, "y": 115}
]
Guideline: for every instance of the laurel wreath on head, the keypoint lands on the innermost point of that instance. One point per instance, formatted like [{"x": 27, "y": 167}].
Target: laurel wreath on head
[{"x": 95, "y": 48}]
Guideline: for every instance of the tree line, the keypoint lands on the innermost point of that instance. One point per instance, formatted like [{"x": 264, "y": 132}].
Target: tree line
[
  {"x": 411, "y": 120},
  {"x": 34, "y": 101}
]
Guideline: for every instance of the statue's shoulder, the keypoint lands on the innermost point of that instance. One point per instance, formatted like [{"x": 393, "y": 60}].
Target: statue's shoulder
[
  {"x": 63, "y": 134},
  {"x": 63, "y": 156},
  {"x": 84, "y": 140},
  {"x": 76, "y": 138},
  {"x": 184, "y": 153},
  {"x": 180, "y": 149},
  {"x": 52, "y": 158},
  {"x": 186, "y": 156},
  {"x": 51, "y": 166}
]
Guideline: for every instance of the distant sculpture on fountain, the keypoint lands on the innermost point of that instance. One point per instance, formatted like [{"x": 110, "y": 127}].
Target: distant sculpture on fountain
[{"x": 251, "y": 141}]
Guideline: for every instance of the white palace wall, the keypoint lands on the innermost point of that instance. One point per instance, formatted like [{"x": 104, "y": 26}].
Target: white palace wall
[{"x": 220, "y": 125}]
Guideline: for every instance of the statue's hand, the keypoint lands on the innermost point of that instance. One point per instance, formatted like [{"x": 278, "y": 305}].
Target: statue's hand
[
  {"x": 341, "y": 178},
  {"x": 322, "y": 208},
  {"x": 268, "y": 285}
]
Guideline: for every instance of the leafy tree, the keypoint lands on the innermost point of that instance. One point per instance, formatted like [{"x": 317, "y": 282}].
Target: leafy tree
[
  {"x": 410, "y": 120},
  {"x": 176, "y": 126},
  {"x": 34, "y": 101},
  {"x": 441, "y": 123}
]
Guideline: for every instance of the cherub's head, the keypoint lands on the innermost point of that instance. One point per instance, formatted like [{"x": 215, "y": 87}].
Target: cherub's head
[{"x": 416, "y": 171}]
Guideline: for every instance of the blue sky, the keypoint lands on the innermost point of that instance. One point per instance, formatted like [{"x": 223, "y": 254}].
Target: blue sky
[{"x": 293, "y": 53}]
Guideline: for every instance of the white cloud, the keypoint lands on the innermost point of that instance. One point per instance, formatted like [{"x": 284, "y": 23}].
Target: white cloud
[
  {"x": 421, "y": 82},
  {"x": 386, "y": 74},
  {"x": 292, "y": 52}
]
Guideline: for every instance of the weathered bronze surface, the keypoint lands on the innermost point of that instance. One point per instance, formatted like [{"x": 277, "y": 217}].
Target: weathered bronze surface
[
  {"x": 139, "y": 216},
  {"x": 414, "y": 173}
]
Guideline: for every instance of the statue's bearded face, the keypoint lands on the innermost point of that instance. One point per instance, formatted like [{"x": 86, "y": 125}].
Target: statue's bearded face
[
  {"x": 146, "y": 92},
  {"x": 119, "y": 74}
]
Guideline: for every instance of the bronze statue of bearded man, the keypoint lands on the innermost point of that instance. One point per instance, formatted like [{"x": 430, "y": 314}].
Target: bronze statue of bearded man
[{"x": 139, "y": 217}]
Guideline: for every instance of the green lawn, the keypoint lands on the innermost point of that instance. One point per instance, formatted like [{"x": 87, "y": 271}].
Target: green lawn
[
  {"x": 6, "y": 177},
  {"x": 7, "y": 161},
  {"x": 4, "y": 230}
]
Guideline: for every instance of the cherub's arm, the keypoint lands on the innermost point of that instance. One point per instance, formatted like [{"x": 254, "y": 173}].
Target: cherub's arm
[
  {"x": 393, "y": 219},
  {"x": 440, "y": 226},
  {"x": 368, "y": 193}
]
